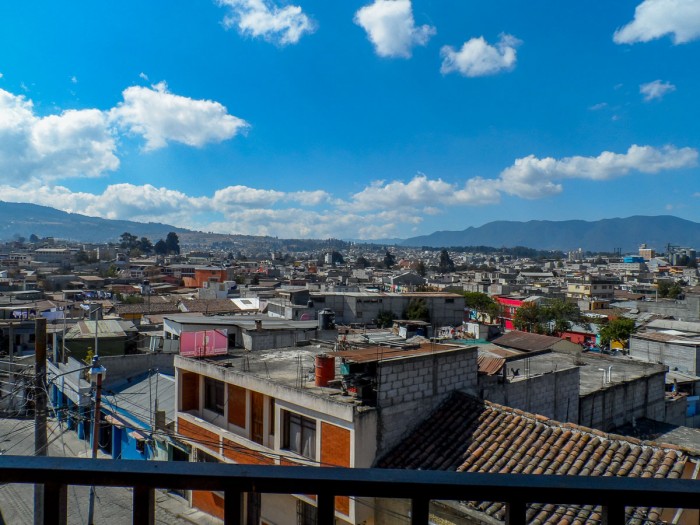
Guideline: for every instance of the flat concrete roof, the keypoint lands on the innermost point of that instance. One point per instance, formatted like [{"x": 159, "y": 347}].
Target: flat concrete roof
[
  {"x": 591, "y": 377},
  {"x": 243, "y": 321},
  {"x": 292, "y": 367}
]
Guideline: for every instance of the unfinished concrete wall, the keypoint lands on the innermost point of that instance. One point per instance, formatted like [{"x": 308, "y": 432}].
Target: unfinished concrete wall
[
  {"x": 554, "y": 394},
  {"x": 683, "y": 358},
  {"x": 410, "y": 388},
  {"x": 687, "y": 310},
  {"x": 616, "y": 404}
]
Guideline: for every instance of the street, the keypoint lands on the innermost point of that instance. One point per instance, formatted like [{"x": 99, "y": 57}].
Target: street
[{"x": 112, "y": 505}]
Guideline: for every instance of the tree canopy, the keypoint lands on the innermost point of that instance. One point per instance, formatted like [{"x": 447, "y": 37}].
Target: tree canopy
[
  {"x": 417, "y": 310},
  {"x": 446, "y": 265},
  {"x": 172, "y": 242},
  {"x": 618, "y": 330},
  {"x": 389, "y": 259},
  {"x": 553, "y": 317}
]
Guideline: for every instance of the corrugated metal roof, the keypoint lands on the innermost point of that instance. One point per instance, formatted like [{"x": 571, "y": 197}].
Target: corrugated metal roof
[
  {"x": 490, "y": 365},
  {"x": 381, "y": 353},
  {"x": 105, "y": 328},
  {"x": 526, "y": 341},
  {"x": 139, "y": 398}
]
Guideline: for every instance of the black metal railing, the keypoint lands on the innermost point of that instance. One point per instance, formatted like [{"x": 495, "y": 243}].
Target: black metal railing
[{"x": 420, "y": 487}]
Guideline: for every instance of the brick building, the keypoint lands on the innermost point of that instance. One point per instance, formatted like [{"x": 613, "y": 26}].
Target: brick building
[{"x": 273, "y": 408}]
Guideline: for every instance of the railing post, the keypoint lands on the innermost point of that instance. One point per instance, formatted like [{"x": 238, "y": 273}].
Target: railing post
[
  {"x": 420, "y": 511},
  {"x": 326, "y": 509},
  {"x": 515, "y": 512},
  {"x": 233, "y": 507},
  {"x": 55, "y": 504},
  {"x": 613, "y": 514},
  {"x": 144, "y": 510}
]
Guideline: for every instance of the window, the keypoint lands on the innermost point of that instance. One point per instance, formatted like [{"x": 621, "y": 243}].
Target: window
[
  {"x": 306, "y": 514},
  {"x": 214, "y": 395},
  {"x": 299, "y": 435}
]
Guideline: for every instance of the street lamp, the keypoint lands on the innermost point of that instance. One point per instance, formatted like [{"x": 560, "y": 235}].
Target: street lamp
[{"x": 97, "y": 373}]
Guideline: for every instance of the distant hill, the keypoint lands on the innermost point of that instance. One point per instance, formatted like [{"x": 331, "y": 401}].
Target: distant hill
[
  {"x": 596, "y": 236},
  {"x": 24, "y": 219}
]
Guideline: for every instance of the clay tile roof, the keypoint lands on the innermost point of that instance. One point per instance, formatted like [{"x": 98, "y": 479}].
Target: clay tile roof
[{"x": 465, "y": 434}]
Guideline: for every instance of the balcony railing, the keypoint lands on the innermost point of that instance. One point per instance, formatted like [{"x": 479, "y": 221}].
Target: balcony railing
[{"x": 420, "y": 487}]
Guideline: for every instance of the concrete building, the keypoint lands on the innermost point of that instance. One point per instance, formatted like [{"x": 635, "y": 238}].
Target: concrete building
[
  {"x": 363, "y": 307},
  {"x": 244, "y": 331},
  {"x": 592, "y": 288},
  {"x": 268, "y": 408},
  {"x": 676, "y": 344}
]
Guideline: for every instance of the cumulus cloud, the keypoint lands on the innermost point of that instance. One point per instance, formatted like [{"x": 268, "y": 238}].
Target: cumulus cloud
[
  {"x": 422, "y": 193},
  {"x": 264, "y": 19},
  {"x": 390, "y": 27},
  {"x": 382, "y": 209},
  {"x": 532, "y": 178},
  {"x": 163, "y": 117},
  {"x": 71, "y": 144},
  {"x": 83, "y": 143},
  {"x": 656, "y": 89},
  {"x": 656, "y": 18},
  {"x": 477, "y": 58}
]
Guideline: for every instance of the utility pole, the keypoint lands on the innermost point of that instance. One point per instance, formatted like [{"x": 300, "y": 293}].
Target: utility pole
[
  {"x": 40, "y": 436},
  {"x": 97, "y": 372}
]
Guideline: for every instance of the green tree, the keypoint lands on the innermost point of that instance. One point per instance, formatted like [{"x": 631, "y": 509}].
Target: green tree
[
  {"x": 559, "y": 315},
  {"x": 361, "y": 262},
  {"x": 160, "y": 248},
  {"x": 145, "y": 245},
  {"x": 385, "y": 318},
  {"x": 337, "y": 258},
  {"x": 172, "y": 242},
  {"x": 618, "y": 330},
  {"x": 128, "y": 241},
  {"x": 389, "y": 259},
  {"x": 483, "y": 305},
  {"x": 417, "y": 310},
  {"x": 33, "y": 238},
  {"x": 446, "y": 265},
  {"x": 421, "y": 269},
  {"x": 529, "y": 318},
  {"x": 668, "y": 289}
]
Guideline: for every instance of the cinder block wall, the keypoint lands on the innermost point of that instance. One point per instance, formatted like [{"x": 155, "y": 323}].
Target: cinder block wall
[{"x": 410, "y": 388}]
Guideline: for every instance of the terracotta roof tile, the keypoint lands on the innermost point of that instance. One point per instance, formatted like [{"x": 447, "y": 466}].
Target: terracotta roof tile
[{"x": 468, "y": 435}]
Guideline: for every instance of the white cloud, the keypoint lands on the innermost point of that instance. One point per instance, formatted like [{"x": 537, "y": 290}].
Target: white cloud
[
  {"x": 421, "y": 194},
  {"x": 533, "y": 178},
  {"x": 656, "y": 18},
  {"x": 599, "y": 106},
  {"x": 143, "y": 76},
  {"x": 163, "y": 117},
  {"x": 71, "y": 144},
  {"x": 262, "y": 18},
  {"x": 656, "y": 89},
  {"x": 74, "y": 79},
  {"x": 390, "y": 27},
  {"x": 1, "y": 75},
  {"x": 83, "y": 143},
  {"x": 478, "y": 58}
]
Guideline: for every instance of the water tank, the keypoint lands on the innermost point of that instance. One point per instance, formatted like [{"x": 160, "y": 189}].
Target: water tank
[
  {"x": 325, "y": 369},
  {"x": 326, "y": 319}
]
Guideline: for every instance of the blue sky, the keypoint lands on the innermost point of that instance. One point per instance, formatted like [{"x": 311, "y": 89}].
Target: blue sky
[{"x": 367, "y": 119}]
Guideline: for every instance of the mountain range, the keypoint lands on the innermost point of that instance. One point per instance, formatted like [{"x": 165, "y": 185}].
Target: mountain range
[
  {"x": 23, "y": 219},
  {"x": 604, "y": 235}
]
